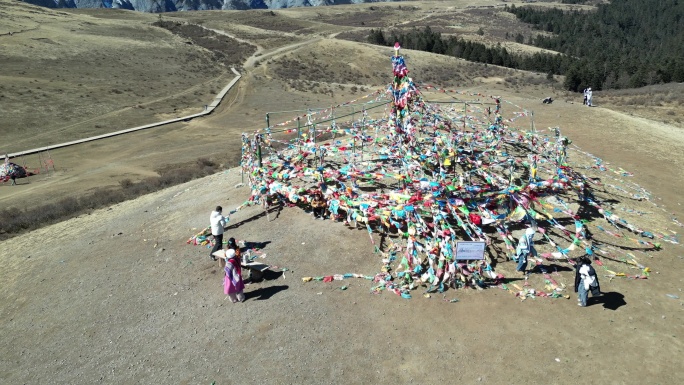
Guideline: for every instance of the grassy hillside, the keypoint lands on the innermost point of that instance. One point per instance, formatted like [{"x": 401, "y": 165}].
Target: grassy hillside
[
  {"x": 66, "y": 76},
  {"x": 99, "y": 71}
]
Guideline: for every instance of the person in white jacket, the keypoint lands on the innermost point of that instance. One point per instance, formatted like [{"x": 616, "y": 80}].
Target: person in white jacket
[
  {"x": 589, "y": 97},
  {"x": 586, "y": 280},
  {"x": 218, "y": 222}
]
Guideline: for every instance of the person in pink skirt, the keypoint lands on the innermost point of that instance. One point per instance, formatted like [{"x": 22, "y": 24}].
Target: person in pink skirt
[{"x": 233, "y": 285}]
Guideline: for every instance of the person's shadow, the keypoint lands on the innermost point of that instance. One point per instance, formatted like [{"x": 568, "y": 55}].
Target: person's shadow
[
  {"x": 611, "y": 300},
  {"x": 264, "y": 292},
  {"x": 256, "y": 245}
]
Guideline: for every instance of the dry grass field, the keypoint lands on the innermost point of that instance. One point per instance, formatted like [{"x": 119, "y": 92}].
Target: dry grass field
[
  {"x": 116, "y": 296},
  {"x": 662, "y": 103},
  {"x": 67, "y": 76}
]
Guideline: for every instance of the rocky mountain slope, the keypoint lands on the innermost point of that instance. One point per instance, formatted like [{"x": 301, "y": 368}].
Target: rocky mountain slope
[{"x": 191, "y": 5}]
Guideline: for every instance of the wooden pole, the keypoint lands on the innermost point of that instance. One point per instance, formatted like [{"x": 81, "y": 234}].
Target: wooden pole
[
  {"x": 299, "y": 134},
  {"x": 258, "y": 149},
  {"x": 363, "y": 130},
  {"x": 465, "y": 111},
  {"x": 532, "y": 119}
]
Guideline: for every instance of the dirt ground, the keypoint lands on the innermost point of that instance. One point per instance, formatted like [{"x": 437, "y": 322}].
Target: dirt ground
[{"x": 117, "y": 296}]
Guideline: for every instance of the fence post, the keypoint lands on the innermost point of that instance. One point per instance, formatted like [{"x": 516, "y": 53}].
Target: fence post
[
  {"x": 353, "y": 115},
  {"x": 242, "y": 158},
  {"x": 299, "y": 134},
  {"x": 363, "y": 129},
  {"x": 258, "y": 142},
  {"x": 362, "y": 148},
  {"x": 532, "y": 118},
  {"x": 465, "y": 111},
  {"x": 313, "y": 133}
]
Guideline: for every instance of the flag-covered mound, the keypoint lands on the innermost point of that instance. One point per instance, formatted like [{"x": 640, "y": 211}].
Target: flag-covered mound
[{"x": 447, "y": 189}]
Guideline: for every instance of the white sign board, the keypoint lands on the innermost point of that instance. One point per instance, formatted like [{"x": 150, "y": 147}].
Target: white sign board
[{"x": 470, "y": 250}]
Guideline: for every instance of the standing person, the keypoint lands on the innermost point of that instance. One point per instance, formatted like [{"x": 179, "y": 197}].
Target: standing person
[
  {"x": 525, "y": 249},
  {"x": 233, "y": 285},
  {"x": 589, "y": 96},
  {"x": 218, "y": 222},
  {"x": 586, "y": 280},
  {"x": 584, "y": 93}
]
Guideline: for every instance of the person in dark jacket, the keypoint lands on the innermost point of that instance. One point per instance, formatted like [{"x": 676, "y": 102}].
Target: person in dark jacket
[
  {"x": 586, "y": 280},
  {"x": 318, "y": 204}
]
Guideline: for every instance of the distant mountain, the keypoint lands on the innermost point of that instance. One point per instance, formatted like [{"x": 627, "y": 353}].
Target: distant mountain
[{"x": 192, "y": 5}]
